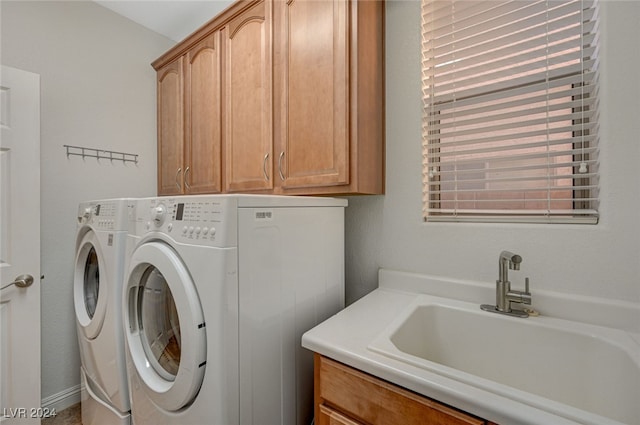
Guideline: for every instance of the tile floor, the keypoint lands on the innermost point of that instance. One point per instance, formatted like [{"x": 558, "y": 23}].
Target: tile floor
[{"x": 69, "y": 416}]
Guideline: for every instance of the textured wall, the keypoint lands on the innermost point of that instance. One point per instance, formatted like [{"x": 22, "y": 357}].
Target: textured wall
[
  {"x": 97, "y": 90},
  {"x": 601, "y": 260}
]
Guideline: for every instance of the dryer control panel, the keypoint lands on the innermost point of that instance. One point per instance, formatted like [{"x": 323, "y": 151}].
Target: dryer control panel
[{"x": 207, "y": 221}]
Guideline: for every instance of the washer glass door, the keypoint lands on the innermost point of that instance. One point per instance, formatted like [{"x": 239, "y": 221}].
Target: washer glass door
[
  {"x": 89, "y": 292},
  {"x": 159, "y": 323},
  {"x": 164, "y": 326},
  {"x": 91, "y": 282}
]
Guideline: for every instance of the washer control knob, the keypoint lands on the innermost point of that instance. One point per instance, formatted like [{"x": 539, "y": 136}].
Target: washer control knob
[
  {"x": 190, "y": 230},
  {"x": 86, "y": 213},
  {"x": 205, "y": 231},
  {"x": 198, "y": 230},
  {"x": 169, "y": 227},
  {"x": 184, "y": 230},
  {"x": 212, "y": 231},
  {"x": 159, "y": 213}
]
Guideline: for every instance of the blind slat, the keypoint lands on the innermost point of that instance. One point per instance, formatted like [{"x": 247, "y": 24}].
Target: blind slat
[
  {"x": 588, "y": 84},
  {"x": 461, "y": 171},
  {"x": 578, "y": 153},
  {"x": 510, "y": 110},
  {"x": 440, "y": 54},
  {"x": 522, "y": 14},
  {"x": 528, "y": 117},
  {"x": 522, "y": 104},
  {"x": 560, "y": 55},
  {"x": 503, "y": 79},
  {"x": 489, "y": 143}
]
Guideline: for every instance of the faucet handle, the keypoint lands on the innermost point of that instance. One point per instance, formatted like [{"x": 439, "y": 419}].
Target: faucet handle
[{"x": 525, "y": 296}]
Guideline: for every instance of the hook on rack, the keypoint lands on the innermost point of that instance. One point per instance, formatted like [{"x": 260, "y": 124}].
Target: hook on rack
[{"x": 85, "y": 152}]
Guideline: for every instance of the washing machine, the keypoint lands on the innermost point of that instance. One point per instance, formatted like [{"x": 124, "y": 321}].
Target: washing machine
[
  {"x": 101, "y": 242},
  {"x": 219, "y": 290}
]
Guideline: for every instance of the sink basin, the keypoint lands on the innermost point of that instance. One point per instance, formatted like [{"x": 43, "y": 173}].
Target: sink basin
[{"x": 586, "y": 373}]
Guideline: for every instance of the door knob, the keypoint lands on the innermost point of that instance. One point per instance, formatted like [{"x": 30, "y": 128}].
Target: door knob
[{"x": 22, "y": 281}]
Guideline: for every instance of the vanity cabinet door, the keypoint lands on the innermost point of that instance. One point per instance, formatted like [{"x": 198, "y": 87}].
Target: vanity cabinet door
[
  {"x": 202, "y": 166},
  {"x": 248, "y": 108},
  {"x": 328, "y": 416},
  {"x": 170, "y": 128},
  {"x": 351, "y": 393}
]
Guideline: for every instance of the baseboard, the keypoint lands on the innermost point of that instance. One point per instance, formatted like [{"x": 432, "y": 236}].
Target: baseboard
[{"x": 63, "y": 399}]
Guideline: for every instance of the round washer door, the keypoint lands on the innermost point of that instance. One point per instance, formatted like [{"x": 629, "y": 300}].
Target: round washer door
[
  {"x": 164, "y": 326},
  {"x": 89, "y": 285}
]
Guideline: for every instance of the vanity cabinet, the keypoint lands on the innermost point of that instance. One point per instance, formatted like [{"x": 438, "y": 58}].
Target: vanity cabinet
[
  {"x": 189, "y": 117},
  {"x": 275, "y": 96},
  {"x": 346, "y": 396}
]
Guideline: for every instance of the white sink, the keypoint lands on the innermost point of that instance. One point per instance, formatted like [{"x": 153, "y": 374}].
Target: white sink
[{"x": 586, "y": 373}]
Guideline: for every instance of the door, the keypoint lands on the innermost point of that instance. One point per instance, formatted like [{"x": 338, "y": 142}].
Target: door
[
  {"x": 20, "y": 247},
  {"x": 202, "y": 173},
  {"x": 315, "y": 99},
  {"x": 170, "y": 129},
  {"x": 164, "y": 326},
  {"x": 248, "y": 95}
]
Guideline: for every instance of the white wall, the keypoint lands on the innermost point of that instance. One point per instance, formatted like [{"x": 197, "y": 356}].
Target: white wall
[
  {"x": 601, "y": 260},
  {"x": 97, "y": 90}
]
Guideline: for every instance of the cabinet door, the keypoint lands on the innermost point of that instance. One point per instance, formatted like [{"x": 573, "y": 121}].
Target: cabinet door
[
  {"x": 315, "y": 103},
  {"x": 202, "y": 170},
  {"x": 377, "y": 402},
  {"x": 248, "y": 100},
  {"x": 170, "y": 128}
]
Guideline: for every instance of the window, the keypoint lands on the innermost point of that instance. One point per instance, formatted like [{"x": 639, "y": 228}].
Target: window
[{"x": 510, "y": 110}]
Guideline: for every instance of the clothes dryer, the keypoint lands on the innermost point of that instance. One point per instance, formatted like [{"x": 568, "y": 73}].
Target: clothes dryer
[
  {"x": 98, "y": 281},
  {"x": 219, "y": 290}
]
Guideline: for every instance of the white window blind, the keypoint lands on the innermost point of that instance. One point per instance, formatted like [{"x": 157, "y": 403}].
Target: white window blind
[{"x": 510, "y": 122}]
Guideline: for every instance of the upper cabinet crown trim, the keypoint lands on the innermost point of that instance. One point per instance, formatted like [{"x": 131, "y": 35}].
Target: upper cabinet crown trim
[
  {"x": 246, "y": 22},
  {"x": 205, "y": 30}
]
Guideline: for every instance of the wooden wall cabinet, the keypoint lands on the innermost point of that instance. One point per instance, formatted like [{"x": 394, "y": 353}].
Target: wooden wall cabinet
[
  {"x": 170, "y": 94},
  {"x": 329, "y": 67},
  {"x": 189, "y": 121},
  {"x": 248, "y": 112},
  {"x": 346, "y": 396},
  {"x": 275, "y": 96}
]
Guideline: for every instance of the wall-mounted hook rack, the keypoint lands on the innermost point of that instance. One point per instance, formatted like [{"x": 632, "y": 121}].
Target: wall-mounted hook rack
[{"x": 101, "y": 154}]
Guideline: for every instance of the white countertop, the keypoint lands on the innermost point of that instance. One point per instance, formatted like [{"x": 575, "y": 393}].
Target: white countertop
[{"x": 346, "y": 336}]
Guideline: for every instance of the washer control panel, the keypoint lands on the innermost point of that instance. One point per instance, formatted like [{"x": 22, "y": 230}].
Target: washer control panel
[
  {"x": 195, "y": 220},
  {"x": 108, "y": 215}
]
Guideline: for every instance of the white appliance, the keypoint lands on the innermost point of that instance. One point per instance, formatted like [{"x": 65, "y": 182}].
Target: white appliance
[
  {"x": 98, "y": 283},
  {"x": 219, "y": 291}
]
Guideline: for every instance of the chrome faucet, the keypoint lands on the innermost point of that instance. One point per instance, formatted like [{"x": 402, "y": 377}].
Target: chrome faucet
[{"x": 504, "y": 295}]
